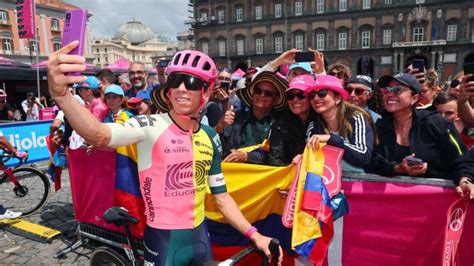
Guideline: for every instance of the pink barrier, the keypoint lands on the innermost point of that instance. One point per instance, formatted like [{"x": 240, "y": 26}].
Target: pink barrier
[
  {"x": 47, "y": 113},
  {"x": 400, "y": 224}
]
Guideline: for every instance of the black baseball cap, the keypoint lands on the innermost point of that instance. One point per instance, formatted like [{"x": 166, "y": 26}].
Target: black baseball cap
[
  {"x": 404, "y": 78},
  {"x": 362, "y": 79}
]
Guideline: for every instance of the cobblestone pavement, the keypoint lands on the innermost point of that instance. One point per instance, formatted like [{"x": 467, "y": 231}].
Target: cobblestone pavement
[{"x": 57, "y": 214}]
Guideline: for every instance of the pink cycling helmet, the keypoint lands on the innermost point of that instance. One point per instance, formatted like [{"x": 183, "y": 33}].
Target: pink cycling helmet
[{"x": 195, "y": 63}]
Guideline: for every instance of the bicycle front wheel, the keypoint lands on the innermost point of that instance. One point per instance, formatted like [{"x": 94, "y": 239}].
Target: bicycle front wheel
[
  {"x": 104, "y": 256},
  {"x": 28, "y": 198}
]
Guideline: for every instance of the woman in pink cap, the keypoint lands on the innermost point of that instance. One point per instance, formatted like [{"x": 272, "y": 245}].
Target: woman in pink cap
[
  {"x": 340, "y": 124},
  {"x": 287, "y": 135}
]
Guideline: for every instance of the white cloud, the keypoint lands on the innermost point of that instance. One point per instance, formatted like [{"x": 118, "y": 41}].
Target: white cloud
[{"x": 164, "y": 17}]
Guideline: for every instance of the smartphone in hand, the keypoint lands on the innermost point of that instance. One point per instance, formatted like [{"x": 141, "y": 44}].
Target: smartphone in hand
[
  {"x": 468, "y": 68},
  {"x": 419, "y": 64},
  {"x": 412, "y": 161},
  {"x": 304, "y": 57},
  {"x": 164, "y": 63},
  {"x": 75, "y": 29}
]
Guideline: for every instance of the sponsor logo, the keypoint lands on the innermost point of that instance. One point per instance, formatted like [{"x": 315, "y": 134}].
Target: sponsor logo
[
  {"x": 148, "y": 198},
  {"x": 184, "y": 192},
  {"x": 179, "y": 178},
  {"x": 177, "y": 150},
  {"x": 456, "y": 220},
  {"x": 26, "y": 143},
  {"x": 145, "y": 120}
]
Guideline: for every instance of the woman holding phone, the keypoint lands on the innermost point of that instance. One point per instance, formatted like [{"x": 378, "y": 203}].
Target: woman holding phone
[{"x": 417, "y": 142}]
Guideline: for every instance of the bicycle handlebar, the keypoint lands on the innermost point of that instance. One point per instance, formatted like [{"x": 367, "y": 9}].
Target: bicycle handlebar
[{"x": 7, "y": 155}]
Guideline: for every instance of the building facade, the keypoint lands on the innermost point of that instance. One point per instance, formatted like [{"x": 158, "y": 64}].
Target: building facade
[
  {"x": 373, "y": 37},
  {"x": 133, "y": 41},
  {"x": 49, "y": 28}
]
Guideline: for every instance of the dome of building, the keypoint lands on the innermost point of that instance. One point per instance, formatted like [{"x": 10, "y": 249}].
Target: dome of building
[{"x": 135, "y": 32}]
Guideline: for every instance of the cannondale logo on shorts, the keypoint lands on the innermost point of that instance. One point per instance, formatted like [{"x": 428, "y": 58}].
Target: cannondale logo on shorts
[{"x": 179, "y": 176}]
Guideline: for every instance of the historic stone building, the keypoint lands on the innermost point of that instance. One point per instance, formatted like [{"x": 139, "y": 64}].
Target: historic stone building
[
  {"x": 134, "y": 41},
  {"x": 49, "y": 27},
  {"x": 374, "y": 37}
]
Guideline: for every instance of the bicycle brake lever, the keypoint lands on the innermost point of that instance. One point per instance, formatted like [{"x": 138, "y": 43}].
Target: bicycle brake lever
[{"x": 274, "y": 248}]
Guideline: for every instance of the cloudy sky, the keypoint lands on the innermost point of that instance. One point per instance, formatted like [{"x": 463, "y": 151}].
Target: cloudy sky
[{"x": 165, "y": 17}]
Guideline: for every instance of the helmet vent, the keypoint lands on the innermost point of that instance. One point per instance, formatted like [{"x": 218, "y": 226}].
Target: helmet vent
[
  {"x": 186, "y": 58},
  {"x": 176, "y": 60},
  {"x": 206, "y": 66}
]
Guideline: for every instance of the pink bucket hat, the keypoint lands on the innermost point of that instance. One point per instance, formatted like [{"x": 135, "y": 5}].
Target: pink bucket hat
[
  {"x": 330, "y": 83},
  {"x": 302, "y": 82}
]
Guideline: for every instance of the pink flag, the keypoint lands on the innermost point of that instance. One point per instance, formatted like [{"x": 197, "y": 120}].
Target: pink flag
[
  {"x": 26, "y": 24},
  {"x": 454, "y": 227}
]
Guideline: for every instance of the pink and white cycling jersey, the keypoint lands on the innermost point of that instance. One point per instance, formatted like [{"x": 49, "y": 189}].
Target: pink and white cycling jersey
[{"x": 175, "y": 168}]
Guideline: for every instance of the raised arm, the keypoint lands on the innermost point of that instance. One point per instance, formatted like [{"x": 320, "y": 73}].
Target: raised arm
[
  {"x": 60, "y": 63},
  {"x": 466, "y": 90}
]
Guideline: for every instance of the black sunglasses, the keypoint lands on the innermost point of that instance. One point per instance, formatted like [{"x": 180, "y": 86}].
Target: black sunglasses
[
  {"x": 292, "y": 95},
  {"x": 357, "y": 91},
  {"x": 321, "y": 93},
  {"x": 192, "y": 83},
  {"x": 260, "y": 91}
]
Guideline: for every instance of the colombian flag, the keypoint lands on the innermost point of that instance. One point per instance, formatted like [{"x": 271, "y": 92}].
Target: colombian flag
[{"x": 127, "y": 190}]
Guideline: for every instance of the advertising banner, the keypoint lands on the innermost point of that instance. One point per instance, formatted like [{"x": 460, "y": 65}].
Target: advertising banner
[
  {"x": 28, "y": 136},
  {"x": 26, "y": 23}
]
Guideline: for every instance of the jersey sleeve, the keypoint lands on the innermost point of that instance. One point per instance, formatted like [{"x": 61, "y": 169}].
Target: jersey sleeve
[
  {"x": 216, "y": 178},
  {"x": 130, "y": 132}
]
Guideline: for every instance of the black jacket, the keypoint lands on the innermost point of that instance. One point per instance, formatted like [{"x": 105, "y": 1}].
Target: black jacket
[
  {"x": 432, "y": 139},
  {"x": 358, "y": 150},
  {"x": 287, "y": 139}
]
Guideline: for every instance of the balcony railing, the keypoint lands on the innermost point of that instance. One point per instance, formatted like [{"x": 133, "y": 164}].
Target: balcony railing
[{"x": 416, "y": 44}]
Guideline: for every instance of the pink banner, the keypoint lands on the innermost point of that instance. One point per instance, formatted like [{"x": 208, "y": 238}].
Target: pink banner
[
  {"x": 400, "y": 224},
  {"x": 92, "y": 183},
  {"x": 25, "y": 14}
]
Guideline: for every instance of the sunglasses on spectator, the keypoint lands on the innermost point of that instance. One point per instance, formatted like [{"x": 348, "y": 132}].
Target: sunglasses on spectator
[
  {"x": 357, "y": 91},
  {"x": 321, "y": 94},
  {"x": 192, "y": 83},
  {"x": 339, "y": 74},
  {"x": 397, "y": 90},
  {"x": 260, "y": 91},
  {"x": 223, "y": 78},
  {"x": 292, "y": 95},
  {"x": 138, "y": 73}
]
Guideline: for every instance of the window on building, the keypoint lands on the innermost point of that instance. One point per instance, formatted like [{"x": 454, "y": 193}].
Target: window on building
[
  {"x": 3, "y": 16},
  {"x": 220, "y": 16},
  {"x": 56, "y": 43},
  {"x": 278, "y": 44},
  {"x": 418, "y": 34},
  {"x": 365, "y": 39},
  {"x": 7, "y": 40},
  {"x": 98, "y": 59},
  {"x": 54, "y": 24},
  {"x": 342, "y": 40},
  {"x": 105, "y": 49},
  {"x": 320, "y": 41},
  {"x": 205, "y": 47},
  {"x": 342, "y": 5},
  {"x": 278, "y": 10},
  {"x": 221, "y": 47},
  {"x": 203, "y": 16},
  {"x": 299, "y": 41},
  {"x": 240, "y": 46},
  {"x": 298, "y": 8},
  {"x": 452, "y": 31},
  {"x": 320, "y": 6},
  {"x": 33, "y": 46},
  {"x": 106, "y": 59},
  {"x": 387, "y": 37},
  {"x": 419, "y": 1},
  {"x": 97, "y": 50},
  {"x": 258, "y": 12},
  {"x": 259, "y": 45},
  {"x": 388, "y": 2},
  {"x": 239, "y": 14},
  {"x": 366, "y": 4}
]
